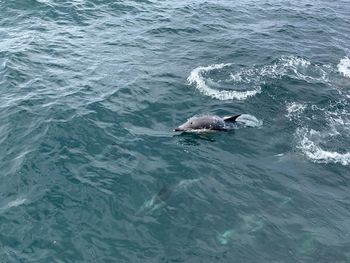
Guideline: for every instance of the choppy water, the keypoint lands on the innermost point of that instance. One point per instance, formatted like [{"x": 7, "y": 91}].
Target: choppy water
[{"x": 90, "y": 92}]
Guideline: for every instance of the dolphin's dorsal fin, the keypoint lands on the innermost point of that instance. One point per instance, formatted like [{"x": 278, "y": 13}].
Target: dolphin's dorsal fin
[{"x": 231, "y": 118}]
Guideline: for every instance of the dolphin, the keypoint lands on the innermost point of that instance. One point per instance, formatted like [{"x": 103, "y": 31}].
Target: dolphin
[
  {"x": 208, "y": 123},
  {"x": 245, "y": 231},
  {"x": 157, "y": 201},
  {"x": 160, "y": 199}
]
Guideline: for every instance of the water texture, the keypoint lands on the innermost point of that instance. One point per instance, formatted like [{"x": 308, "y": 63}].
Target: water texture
[{"x": 91, "y": 90}]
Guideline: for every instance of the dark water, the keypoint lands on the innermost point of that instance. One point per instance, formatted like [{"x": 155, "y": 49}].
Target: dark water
[{"x": 91, "y": 170}]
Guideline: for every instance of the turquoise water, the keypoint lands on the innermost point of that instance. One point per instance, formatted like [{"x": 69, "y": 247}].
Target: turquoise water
[{"x": 90, "y": 92}]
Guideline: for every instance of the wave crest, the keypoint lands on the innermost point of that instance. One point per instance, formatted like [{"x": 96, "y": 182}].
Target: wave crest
[
  {"x": 312, "y": 150},
  {"x": 247, "y": 82},
  {"x": 196, "y": 77},
  {"x": 344, "y": 67}
]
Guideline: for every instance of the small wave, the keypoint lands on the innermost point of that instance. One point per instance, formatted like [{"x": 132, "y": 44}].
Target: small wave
[
  {"x": 297, "y": 68},
  {"x": 247, "y": 82},
  {"x": 17, "y": 202},
  {"x": 287, "y": 66},
  {"x": 314, "y": 152},
  {"x": 293, "y": 61},
  {"x": 344, "y": 67},
  {"x": 183, "y": 184},
  {"x": 196, "y": 77},
  {"x": 171, "y": 30}
]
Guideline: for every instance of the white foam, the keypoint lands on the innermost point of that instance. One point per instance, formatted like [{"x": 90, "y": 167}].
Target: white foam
[
  {"x": 279, "y": 155},
  {"x": 293, "y": 61},
  {"x": 236, "y": 77},
  {"x": 196, "y": 77},
  {"x": 344, "y": 67},
  {"x": 294, "y": 110},
  {"x": 314, "y": 152},
  {"x": 249, "y": 120},
  {"x": 251, "y": 75},
  {"x": 290, "y": 66},
  {"x": 297, "y": 68}
]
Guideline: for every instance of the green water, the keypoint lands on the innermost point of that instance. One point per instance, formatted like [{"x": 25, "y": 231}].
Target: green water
[{"x": 92, "y": 171}]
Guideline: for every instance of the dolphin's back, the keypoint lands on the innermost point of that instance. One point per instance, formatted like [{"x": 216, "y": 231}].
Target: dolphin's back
[{"x": 210, "y": 122}]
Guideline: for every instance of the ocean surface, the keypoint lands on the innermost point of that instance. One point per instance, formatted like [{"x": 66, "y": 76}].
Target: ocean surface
[{"x": 92, "y": 171}]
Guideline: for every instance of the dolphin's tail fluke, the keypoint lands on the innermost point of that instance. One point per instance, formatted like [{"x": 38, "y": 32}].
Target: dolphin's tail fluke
[{"x": 231, "y": 118}]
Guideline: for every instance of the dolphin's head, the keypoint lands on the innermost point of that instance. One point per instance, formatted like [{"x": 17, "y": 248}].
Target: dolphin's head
[{"x": 201, "y": 123}]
